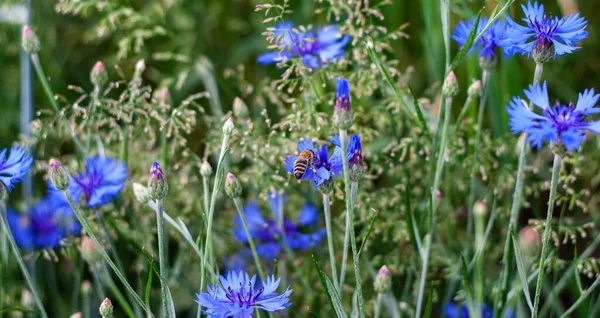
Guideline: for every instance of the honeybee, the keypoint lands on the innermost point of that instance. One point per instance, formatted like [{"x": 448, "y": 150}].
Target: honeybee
[{"x": 304, "y": 161}]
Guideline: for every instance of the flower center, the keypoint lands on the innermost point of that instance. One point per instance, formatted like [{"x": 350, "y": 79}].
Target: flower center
[
  {"x": 545, "y": 28},
  {"x": 564, "y": 117},
  {"x": 244, "y": 297},
  {"x": 88, "y": 182}
]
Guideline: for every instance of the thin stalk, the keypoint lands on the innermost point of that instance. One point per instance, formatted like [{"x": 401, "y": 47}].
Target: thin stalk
[
  {"x": 160, "y": 226},
  {"x": 206, "y": 190},
  {"x": 125, "y": 144},
  {"x": 112, "y": 265},
  {"x": 378, "y": 305},
  {"x": 479, "y": 277},
  {"x": 86, "y": 305},
  {"x": 238, "y": 206},
  {"x": 581, "y": 298},
  {"x": 514, "y": 211},
  {"x": 434, "y": 189},
  {"x": 92, "y": 116},
  {"x": 553, "y": 185},
  {"x": 15, "y": 249},
  {"x": 464, "y": 109},
  {"x": 353, "y": 194},
  {"x": 350, "y": 217},
  {"x": 115, "y": 290},
  {"x": 327, "y": 212}
]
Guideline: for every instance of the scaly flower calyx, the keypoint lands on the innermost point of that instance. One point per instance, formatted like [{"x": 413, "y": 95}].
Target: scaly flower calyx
[{"x": 157, "y": 183}]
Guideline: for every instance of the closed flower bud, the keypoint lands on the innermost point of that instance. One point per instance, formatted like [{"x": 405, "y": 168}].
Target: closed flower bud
[
  {"x": 356, "y": 167},
  {"x": 529, "y": 241},
  {"x": 86, "y": 287},
  {"x": 450, "y": 87},
  {"x": 383, "y": 280},
  {"x": 342, "y": 113},
  {"x": 543, "y": 51},
  {"x": 59, "y": 177},
  {"x": 106, "y": 308},
  {"x": 29, "y": 41},
  {"x": 240, "y": 110},
  {"x": 141, "y": 193},
  {"x": 157, "y": 183},
  {"x": 162, "y": 95},
  {"x": 76, "y": 315},
  {"x": 206, "y": 169},
  {"x": 89, "y": 250},
  {"x": 233, "y": 188},
  {"x": 474, "y": 90},
  {"x": 228, "y": 127},
  {"x": 480, "y": 209},
  {"x": 98, "y": 75},
  {"x": 27, "y": 300}
]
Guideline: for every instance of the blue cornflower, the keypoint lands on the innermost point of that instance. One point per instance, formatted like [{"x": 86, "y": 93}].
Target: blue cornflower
[
  {"x": 322, "y": 169},
  {"x": 100, "y": 182},
  {"x": 266, "y": 232},
  {"x": 46, "y": 224},
  {"x": 354, "y": 150},
  {"x": 494, "y": 36},
  {"x": 559, "y": 124},
  {"x": 316, "y": 48},
  {"x": 552, "y": 36},
  {"x": 14, "y": 166},
  {"x": 237, "y": 296},
  {"x": 452, "y": 310}
]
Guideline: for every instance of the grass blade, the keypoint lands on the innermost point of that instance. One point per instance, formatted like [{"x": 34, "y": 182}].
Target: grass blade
[
  {"x": 429, "y": 306},
  {"x": 371, "y": 226},
  {"x": 328, "y": 287},
  {"x": 576, "y": 273},
  {"x": 521, "y": 269},
  {"x": 467, "y": 283},
  {"x": 149, "y": 284},
  {"x": 464, "y": 50},
  {"x": 413, "y": 230},
  {"x": 420, "y": 114}
]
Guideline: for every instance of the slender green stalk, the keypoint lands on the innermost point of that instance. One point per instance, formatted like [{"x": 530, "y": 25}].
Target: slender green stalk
[
  {"x": 125, "y": 145},
  {"x": 238, "y": 206},
  {"x": 112, "y": 265},
  {"x": 206, "y": 190},
  {"x": 353, "y": 194},
  {"x": 464, "y": 109},
  {"x": 350, "y": 217},
  {"x": 479, "y": 278},
  {"x": 160, "y": 226},
  {"x": 434, "y": 189},
  {"x": 581, "y": 298},
  {"x": 86, "y": 305},
  {"x": 15, "y": 249},
  {"x": 547, "y": 232},
  {"x": 115, "y": 290},
  {"x": 327, "y": 210},
  {"x": 378, "y": 305}
]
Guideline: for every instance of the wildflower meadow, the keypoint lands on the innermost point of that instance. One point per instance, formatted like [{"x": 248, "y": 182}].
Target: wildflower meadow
[{"x": 269, "y": 158}]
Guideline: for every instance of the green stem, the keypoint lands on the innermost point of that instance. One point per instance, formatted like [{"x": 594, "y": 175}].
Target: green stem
[
  {"x": 479, "y": 278},
  {"x": 115, "y": 290},
  {"x": 112, "y": 265},
  {"x": 15, "y": 249},
  {"x": 581, "y": 298},
  {"x": 547, "y": 232},
  {"x": 238, "y": 206},
  {"x": 350, "y": 217},
  {"x": 464, "y": 109},
  {"x": 125, "y": 144},
  {"x": 353, "y": 194},
  {"x": 160, "y": 226},
  {"x": 378, "y": 305},
  {"x": 206, "y": 190},
  {"x": 327, "y": 210}
]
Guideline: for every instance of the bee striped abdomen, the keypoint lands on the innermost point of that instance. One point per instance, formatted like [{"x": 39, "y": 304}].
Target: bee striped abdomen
[{"x": 300, "y": 168}]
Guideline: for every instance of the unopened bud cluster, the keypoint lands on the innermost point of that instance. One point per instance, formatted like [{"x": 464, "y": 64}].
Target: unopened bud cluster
[
  {"x": 106, "y": 308},
  {"x": 162, "y": 95},
  {"x": 90, "y": 251},
  {"x": 240, "y": 110},
  {"x": 233, "y": 187},
  {"x": 29, "y": 41},
  {"x": 59, "y": 177},
  {"x": 141, "y": 193},
  {"x": 450, "y": 87},
  {"x": 228, "y": 127},
  {"x": 98, "y": 75},
  {"x": 206, "y": 169},
  {"x": 474, "y": 90},
  {"x": 157, "y": 183},
  {"x": 383, "y": 280},
  {"x": 342, "y": 113}
]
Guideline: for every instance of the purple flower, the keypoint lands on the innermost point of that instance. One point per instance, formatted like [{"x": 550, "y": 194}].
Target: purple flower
[
  {"x": 452, "y": 310},
  {"x": 237, "y": 296},
  {"x": 559, "y": 124},
  {"x": 267, "y": 233},
  {"x": 317, "y": 48},
  {"x": 13, "y": 166},
  {"x": 323, "y": 167},
  {"x": 494, "y": 36},
  {"x": 544, "y": 33},
  {"x": 353, "y": 152},
  {"x": 20, "y": 226}
]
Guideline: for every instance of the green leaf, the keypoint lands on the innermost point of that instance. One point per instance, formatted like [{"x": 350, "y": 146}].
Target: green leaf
[
  {"x": 429, "y": 306},
  {"x": 371, "y": 226},
  {"x": 422, "y": 120},
  {"x": 334, "y": 297},
  {"x": 413, "y": 230},
  {"x": 521, "y": 269},
  {"x": 576, "y": 273},
  {"x": 467, "y": 283},
  {"x": 464, "y": 50},
  {"x": 149, "y": 284}
]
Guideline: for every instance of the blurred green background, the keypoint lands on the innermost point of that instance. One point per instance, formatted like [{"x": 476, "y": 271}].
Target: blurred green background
[{"x": 176, "y": 33}]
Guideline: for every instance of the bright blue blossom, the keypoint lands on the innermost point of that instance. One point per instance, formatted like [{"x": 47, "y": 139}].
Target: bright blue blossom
[
  {"x": 323, "y": 168},
  {"x": 267, "y": 233},
  {"x": 559, "y": 123},
  {"x": 237, "y": 296},
  {"x": 46, "y": 224},
  {"x": 543, "y": 32},
  {"x": 494, "y": 36},
  {"x": 13, "y": 166},
  {"x": 316, "y": 48},
  {"x": 100, "y": 182},
  {"x": 353, "y": 152},
  {"x": 452, "y": 310}
]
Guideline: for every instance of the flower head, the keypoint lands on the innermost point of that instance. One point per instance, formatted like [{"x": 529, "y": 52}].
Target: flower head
[
  {"x": 316, "y": 48},
  {"x": 353, "y": 155},
  {"x": 552, "y": 36},
  {"x": 342, "y": 113},
  {"x": 157, "y": 183},
  {"x": 233, "y": 187},
  {"x": 59, "y": 177},
  {"x": 13, "y": 166},
  {"x": 98, "y": 75},
  {"x": 29, "y": 40},
  {"x": 493, "y": 38},
  {"x": 237, "y": 295},
  {"x": 323, "y": 168},
  {"x": 383, "y": 280},
  {"x": 452, "y": 310},
  {"x": 560, "y": 124},
  {"x": 267, "y": 232}
]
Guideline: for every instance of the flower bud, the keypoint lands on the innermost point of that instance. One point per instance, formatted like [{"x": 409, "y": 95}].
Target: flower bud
[
  {"x": 240, "y": 110},
  {"x": 488, "y": 63},
  {"x": 543, "y": 51},
  {"x": 383, "y": 280},
  {"x": 342, "y": 113},
  {"x": 326, "y": 187},
  {"x": 157, "y": 183},
  {"x": 233, "y": 188},
  {"x": 86, "y": 287},
  {"x": 228, "y": 127},
  {"x": 474, "y": 90},
  {"x": 480, "y": 209},
  {"x": 27, "y": 300},
  {"x": 89, "y": 250},
  {"x": 206, "y": 169},
  {"x": 76, "y": 315},
  {"x": 450, "y": 87},
  {"x": 59, "y": 177},
  {"x": 141, "y": 193},
  {"x": 29, "y": 41},
  {"x": 106, "y": 308},
  {"x": 162, "y": 95},
  {"x": 355, "y": 161},
  {"x": 98, "y": 75},
  {"x": 529, "y": 241}
]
